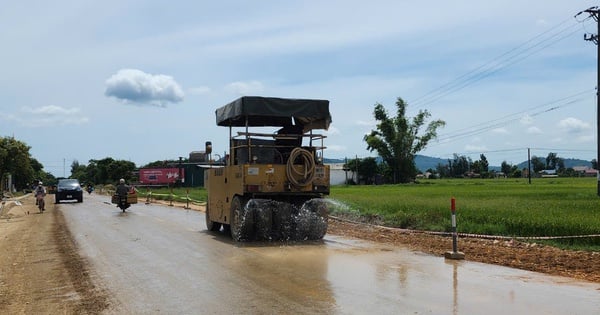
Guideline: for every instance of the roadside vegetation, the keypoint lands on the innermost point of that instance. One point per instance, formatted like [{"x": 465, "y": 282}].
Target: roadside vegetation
[
  {"x": 196, "y": 195},
  {"x": 502, "y": 207}
]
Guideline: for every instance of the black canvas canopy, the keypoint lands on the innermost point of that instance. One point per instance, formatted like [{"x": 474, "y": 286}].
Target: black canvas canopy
[{"x": 259, "y": 111}]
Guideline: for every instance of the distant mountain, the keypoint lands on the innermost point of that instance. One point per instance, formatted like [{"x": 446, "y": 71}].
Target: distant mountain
[
  {"x": 569, "y": 163},
  {"x": 424, "y": 163}
]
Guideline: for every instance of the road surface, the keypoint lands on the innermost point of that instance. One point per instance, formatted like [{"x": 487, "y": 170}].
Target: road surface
[{"x": 156, "y": 259}]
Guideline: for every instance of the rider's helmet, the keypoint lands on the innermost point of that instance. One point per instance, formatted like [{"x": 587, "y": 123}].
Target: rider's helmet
[
  {"x": 40, "y": 183},
  {"x": 121, "y": 181}
]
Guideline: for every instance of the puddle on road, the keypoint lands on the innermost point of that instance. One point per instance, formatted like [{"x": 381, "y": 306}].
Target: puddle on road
[{"x": 346, "y": 276}]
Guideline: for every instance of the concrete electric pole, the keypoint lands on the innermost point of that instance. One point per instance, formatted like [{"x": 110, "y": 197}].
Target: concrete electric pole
[{"x": 594, "y": 12}]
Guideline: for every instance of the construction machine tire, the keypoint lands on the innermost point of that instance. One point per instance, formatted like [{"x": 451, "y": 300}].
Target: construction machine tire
[
  {"x": 210, "y": 224},
  {"x": 283, "y": 225},
  {"x": 311, "y": 220},
  {"x": 263, "y": 218},
  {"x": 242, "y": 220}
]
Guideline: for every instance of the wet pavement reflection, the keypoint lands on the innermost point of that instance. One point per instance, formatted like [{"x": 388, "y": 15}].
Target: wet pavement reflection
[
  {"x": 367, "y": 278},
  {"x": 160, "y": 260}
]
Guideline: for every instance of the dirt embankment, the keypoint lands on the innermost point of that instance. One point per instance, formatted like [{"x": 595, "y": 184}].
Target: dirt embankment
[{"x": 40, "y": 269}]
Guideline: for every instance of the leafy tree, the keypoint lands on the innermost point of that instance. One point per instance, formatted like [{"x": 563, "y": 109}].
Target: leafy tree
[
  {"x": 553, "y": 162},
  {"x": 80, "y": 172},
  {"x": 459, "y": 166},
  {"x": 538, "y": 164},
  {"x": 397, "y": 140},
  {"x": 161, "y": 163},
  {"x": 516, "y": 172},
  {"x": 481, "y": 166},
  {"x": 443, "y": 170},
  {"x": 594, "y": 164},
  {"x": 109, "y": 170},
  {"x": 16, "y": 160},
  {"x": 506, "y": 168},
  {"x": 367, "y": 169}
]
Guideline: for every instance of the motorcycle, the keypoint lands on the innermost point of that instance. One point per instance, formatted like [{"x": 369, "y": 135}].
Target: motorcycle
[
  {"x": 40, "y": 202},
  {"x": 90, "y": 189},
  {"x": 124, "y": 202}
]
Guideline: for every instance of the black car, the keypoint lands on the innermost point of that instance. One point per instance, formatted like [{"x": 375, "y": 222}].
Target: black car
[{"x": 68, "y": 189}]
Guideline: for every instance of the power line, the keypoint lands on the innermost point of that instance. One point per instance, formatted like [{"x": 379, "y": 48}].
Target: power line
[
  {"x": 487, "y": 123},
  {"x": 497, "y": 64},
  {"x": 507, "y": 119}
]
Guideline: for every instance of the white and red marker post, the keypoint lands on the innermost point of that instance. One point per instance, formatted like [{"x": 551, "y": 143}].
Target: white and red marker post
[{"x": 454, "y": 254}]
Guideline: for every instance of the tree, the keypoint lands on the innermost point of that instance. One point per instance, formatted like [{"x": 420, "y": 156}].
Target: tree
[
  {"x": 109, "y": 170},
  {"x": 594, "y": 164},
  {"x": 459, "y": 166},
  {"x": 80, "y": 172},
  {"x": 397, "y": 140},
  {"x": 537, "y": 163},
  {"x": 553, "y": 162},
  {"x": 443, "y": 170},
  {"x": 16, "y": 160},
  {"x": 367, "y": 169},
  {"x": 506, "y": 168},
  {"x": 481, "y": 166}
]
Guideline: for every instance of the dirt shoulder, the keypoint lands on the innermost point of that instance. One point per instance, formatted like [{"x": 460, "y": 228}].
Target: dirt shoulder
[
  {"x": 526, "y": 256},
  {"x": 40, "y": 269}
]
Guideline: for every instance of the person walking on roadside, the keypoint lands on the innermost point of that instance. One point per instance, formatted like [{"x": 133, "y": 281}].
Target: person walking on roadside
[{"x": 40, "y": 193}]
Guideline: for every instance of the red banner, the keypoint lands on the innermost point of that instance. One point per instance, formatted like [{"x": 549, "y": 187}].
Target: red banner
[{"x": 160, "y": 176}]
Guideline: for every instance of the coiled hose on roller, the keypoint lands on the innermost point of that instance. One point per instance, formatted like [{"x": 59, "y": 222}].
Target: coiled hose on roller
[{"x": 304, "y": 177}]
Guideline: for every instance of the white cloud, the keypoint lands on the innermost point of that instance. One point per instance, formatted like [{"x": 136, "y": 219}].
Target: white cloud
[
  {"x": 573, "y": 125},
  {"x": 245, "y": 88},
  {"x": 44, "y": 116},
  {"x": 534, "y": 130},
  {"x": 500, "y": 131},
  {"x": 131, "y": 85},
  {"x": 51, "y": 110}
]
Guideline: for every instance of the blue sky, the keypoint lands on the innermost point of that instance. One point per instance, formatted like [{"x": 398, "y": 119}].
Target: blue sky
[{"x": 140, "y": 80}]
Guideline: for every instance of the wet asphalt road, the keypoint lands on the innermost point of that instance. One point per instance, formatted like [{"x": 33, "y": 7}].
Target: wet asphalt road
[{"x": 161, "y": 260}]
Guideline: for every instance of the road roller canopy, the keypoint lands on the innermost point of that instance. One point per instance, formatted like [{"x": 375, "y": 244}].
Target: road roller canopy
[{"x": 257, "y": 111}]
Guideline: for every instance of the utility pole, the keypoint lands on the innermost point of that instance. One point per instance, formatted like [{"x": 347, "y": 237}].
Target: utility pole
[
  {"x": 594, "y": 12},
  {"x": 529, "y": 165}
]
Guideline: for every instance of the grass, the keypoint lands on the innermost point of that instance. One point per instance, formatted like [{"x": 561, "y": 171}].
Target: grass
[
  {"x": 196, "y": 194},
  {"x": 506, "y": 207}
]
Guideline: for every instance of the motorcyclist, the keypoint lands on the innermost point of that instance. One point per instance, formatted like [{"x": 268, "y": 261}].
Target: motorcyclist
[
  {"x": 122, "y": 190},
  {"x": 40, "y": 193}
]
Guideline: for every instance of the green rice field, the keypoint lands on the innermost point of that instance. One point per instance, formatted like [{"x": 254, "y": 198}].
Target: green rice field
[{"x": 503, "y": 207}]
